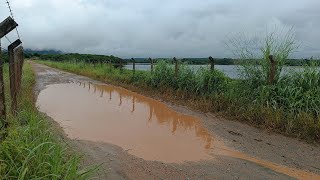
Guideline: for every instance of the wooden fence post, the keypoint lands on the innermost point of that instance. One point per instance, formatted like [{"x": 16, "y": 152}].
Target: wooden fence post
[
  {"x": 6, "y": 26},
  {"x": 272, "y": 73},
  {"x": 211, "y": 60},
  {"x": 13, "y": 75},
  {"x": 120, "y": 65},
  {"x": 176, "y": 68},
  {"x": 2, "y": 95},
  {"x": 151, "y": 62},
  {"x": 19, "y": 59},
  {"x": 133, "y": 65}
]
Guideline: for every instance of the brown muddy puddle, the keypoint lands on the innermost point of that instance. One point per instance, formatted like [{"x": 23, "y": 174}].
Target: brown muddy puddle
[{"x": 144, "y": 127}]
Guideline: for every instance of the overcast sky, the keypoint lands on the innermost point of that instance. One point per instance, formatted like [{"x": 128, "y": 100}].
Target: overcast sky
[{"x": 159, "y": 28}]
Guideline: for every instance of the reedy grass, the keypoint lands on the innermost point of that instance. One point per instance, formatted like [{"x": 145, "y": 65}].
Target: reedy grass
[{"x": 32, "y": 148}]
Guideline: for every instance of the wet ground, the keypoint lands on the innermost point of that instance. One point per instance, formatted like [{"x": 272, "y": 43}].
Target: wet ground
[{"x": 136, "y": 137}]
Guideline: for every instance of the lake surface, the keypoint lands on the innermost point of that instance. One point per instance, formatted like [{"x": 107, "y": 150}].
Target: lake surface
[{"x": 232, "y": 71}]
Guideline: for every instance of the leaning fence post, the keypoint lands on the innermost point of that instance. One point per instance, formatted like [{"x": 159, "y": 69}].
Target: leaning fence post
[
  {"x": 13, "y": 75},
  {"x": 6, "y": 26},
  {"x": 133, "y": 65},
  {"x": 176, "y": 66},
  {"x": 151, "y": 62},
  {"x": 211, "y": 60},
  {"x": 272, "y": 72}
]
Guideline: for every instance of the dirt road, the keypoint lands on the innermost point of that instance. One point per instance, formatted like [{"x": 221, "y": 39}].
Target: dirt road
[{"x": 238, "y": 152}]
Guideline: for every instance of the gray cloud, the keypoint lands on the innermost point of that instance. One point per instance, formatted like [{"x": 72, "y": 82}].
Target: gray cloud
[{"x": 159, "y": 28}]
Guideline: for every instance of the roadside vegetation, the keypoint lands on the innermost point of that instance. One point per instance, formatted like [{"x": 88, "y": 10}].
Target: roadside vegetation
[
  {"x": 94, "y": 59},
  {"x": 31, "y": 148},
  {"x": 289, "y": 105}
]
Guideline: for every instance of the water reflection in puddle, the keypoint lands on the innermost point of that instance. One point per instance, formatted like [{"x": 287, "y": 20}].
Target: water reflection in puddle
[{"x": 145, "y": 127}]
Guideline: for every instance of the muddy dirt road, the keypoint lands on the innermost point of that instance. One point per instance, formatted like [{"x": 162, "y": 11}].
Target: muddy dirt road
[{"x": 136, "y": 137}]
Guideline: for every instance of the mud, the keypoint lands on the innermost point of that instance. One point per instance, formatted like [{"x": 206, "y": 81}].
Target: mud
[{"x": 122, "y": 134}]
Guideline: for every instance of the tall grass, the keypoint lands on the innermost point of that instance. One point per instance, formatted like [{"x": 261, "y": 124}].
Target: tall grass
[
  {"x": 32, "y": 150},
  {"x": 291, "y": 105},
  {"x": 292, "y": 98}
]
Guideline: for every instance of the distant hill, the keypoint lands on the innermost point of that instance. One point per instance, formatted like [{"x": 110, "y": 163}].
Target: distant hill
[{"x": 44, "y": 51}]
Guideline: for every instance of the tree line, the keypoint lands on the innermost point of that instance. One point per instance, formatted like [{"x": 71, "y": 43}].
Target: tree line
[{"x": 94, "y": 59}]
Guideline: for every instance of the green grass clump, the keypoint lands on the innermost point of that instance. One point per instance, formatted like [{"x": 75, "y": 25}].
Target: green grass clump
[
  {"x": 31, "y": 149},
  {"x": 201, "y": 82},
  {"x": 291, "y": 104}
]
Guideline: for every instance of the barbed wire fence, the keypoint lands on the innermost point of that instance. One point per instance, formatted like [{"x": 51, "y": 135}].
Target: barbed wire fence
[
  {"x": 12, "y": 16},
  {"x": 15, "y": 52}
]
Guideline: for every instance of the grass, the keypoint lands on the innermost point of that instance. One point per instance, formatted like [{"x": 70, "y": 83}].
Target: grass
[
  {"x": 32, "y": 148},
  {"x": 290, "y": 106}
]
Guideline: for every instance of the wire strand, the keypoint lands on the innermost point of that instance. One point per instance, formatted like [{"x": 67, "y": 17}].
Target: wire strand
[
  {"x": 8, "y": 39},
  {"x": 10, "y": 9}
]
